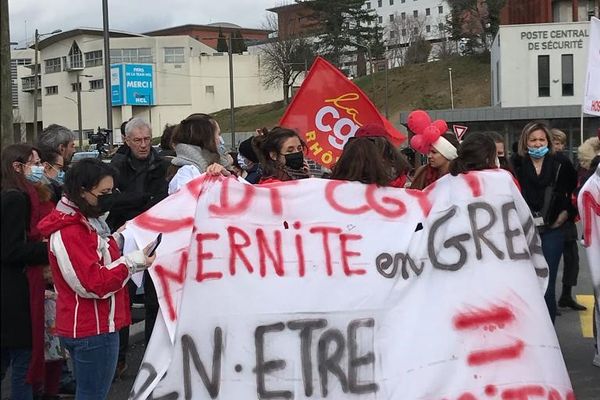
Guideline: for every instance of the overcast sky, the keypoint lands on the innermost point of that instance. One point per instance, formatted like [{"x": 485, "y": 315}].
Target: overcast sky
[{"x": 131, "y": 15}]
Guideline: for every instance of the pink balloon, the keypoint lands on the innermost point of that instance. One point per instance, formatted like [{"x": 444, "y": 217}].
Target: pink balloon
[
  {"x": 441, "y": 125},
  {"x": 431, "y": 134},
  {"x": 418, "y": 120}
]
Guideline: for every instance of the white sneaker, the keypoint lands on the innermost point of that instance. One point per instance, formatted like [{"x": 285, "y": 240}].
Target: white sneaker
[{"x": 596, "y": 360}]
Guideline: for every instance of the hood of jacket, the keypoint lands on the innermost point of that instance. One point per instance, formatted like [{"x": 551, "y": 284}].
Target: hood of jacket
[{"x": 65, "y": 214}]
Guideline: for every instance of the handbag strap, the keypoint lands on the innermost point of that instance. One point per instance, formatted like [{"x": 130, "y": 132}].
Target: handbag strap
[{"x": 548, "y": 193}]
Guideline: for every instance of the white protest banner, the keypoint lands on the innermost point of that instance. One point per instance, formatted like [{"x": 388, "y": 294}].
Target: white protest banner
[
  {"x": 588, "y": 203},
  {"x": 338, "y": 290},
  {"x": 591, "y": 99}
]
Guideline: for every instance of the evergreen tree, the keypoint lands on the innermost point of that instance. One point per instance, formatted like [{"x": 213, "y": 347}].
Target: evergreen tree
[
  {"x": 346, "y": 23},
  {"x": 475, "y": 20},
  {"x": 238, "y": 44},
  {"x": 222, "y": 43}
]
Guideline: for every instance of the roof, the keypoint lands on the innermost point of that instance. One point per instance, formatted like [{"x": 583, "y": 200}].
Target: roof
[
  {"x": 296, "y": 4},
  {"x": 50, "y": 40},
  {"x": 502, "y": 113},
  {"x": 212, "y": 26}
]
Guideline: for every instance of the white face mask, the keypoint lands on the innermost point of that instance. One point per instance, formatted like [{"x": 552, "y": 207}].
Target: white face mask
[{"x": 244, "y": 163}]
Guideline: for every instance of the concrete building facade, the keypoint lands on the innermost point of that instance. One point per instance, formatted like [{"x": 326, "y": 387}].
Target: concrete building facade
[{"x": 186, "y": 76}]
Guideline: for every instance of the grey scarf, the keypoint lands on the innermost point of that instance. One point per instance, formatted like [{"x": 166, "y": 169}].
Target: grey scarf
[
  {"x": 99, "y": 224},
  {"x": 188, "y": 154}
]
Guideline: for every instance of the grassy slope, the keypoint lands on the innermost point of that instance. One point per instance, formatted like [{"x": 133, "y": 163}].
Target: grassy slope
[{"x": 423, "y": 86}]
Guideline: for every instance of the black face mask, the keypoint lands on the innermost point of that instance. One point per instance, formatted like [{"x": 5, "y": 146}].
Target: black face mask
[
  {"x": 105, "y": 202},
  {"x": 294, "y": 160}
]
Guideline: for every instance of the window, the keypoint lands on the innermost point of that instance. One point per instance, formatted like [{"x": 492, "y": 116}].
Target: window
[
  {"x": 380, "y": 19},
  {"x": 427, "y": 11},
  {"x": 567, "y": 74},
  {"x": 53, "y": 65},
  {"x": 141, "y": 55},
  {"x": 210, "y": 89},
  {"x": 403, "y": 15},
  {"x": 403, "y": 32},
  {"x": 93, "y": 58},
  {"x": 428, "y": 28},
  {"x": 544, "y": 76},
  {"x": 441, "y": 27},
  {"x": 50, "y": 90},
  {"x": 379, "y": 3},
  {"x": 391, "y": 17},
  {"x": 402, "y": 1},
  {"x": 97, "y": 84},
  {"x": 392, "y": 34},
  {"x": 75, "y": 57},
  {"x": 440, "y": 9},
  {"x": 391, "y": 2},
  {"x": 416, "y": 30},
  {"x": 415, "y": 13},
  {"x": 174, "y": 55},
  {"x": 75, "y": 86},
  {"x": 368, "y": 5}
]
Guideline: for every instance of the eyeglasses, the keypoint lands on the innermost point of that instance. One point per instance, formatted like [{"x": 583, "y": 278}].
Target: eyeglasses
[{"x": 138, "y": 141}]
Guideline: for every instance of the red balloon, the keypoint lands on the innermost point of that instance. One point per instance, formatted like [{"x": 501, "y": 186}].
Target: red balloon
[
  {"x": 417, "y": 142},
  {"x": 418, "y": 120},
  {"x": 431, "y": 134},
  {"x": 441, "y": 125}
]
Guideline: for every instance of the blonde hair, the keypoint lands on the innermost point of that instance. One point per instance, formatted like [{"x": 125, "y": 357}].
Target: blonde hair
[
  {"x": 527, "y": 130},
  {"x": 558, "y": 135},
  {"x": 587, "y": 151}
]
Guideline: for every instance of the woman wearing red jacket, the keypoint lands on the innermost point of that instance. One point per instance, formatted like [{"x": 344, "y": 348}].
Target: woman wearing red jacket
[{"x": 90, "y": 276}]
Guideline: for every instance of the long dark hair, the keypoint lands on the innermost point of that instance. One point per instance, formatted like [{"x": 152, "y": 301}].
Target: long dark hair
[
  {"x": 370, "y": 160},
  {"x": 12, "y": 179},
  {"x": 82, "y": 177},
  {"x": 198, "y": 130},
  {"x": 272, "y": 142},
  {"x": 476, "y": 152}
]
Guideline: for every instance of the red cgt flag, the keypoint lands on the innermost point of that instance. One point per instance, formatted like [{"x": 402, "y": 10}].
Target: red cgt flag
[{"x": 328, "y": 110}]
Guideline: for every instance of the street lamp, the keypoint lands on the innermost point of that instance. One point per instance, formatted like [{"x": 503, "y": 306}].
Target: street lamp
[
  {"x": 451, "y": 93},
  {"x": 36, "y": 72}
]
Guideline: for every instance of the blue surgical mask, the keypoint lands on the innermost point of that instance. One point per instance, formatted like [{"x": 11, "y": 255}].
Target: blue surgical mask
[
  {"x": 221, "y": 145},
  {"x": 36, "y": 174},
  {"x": 60, "y": 178},
  {"x": 537, "y": 152}
]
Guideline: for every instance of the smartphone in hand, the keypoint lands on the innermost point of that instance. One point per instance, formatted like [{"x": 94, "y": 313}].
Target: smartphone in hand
[{"x": 151, "y": 248}]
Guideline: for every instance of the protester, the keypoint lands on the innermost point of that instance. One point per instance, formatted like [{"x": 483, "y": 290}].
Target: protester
[
  {"x": 22, "y": 246},
  {"x": 546, "y": 186},
  {"x": 500, "y": 150},
  {"x": 53, "y": 170},
  {"x": 442, "y": 151},
  {"x": 478, "y": 151},
  {"x": 166, "y": 145},
  {"x": 89, "y": 274},
  {"x": 58, "y": 138},
  {"x": 369, "y": 157},
  {"x": 588, "y": 155},
  {"x": 198, "y": 146},
  {"x": 281, "y": 155},
  {"x": 571, "y": 250},
  {"x": 248, "y": 160},
  {"x": 141, "y": 184}
]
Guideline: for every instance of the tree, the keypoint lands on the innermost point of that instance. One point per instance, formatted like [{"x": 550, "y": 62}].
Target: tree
[
  {"x": 346, "y": 22},
  {"x": 407, "y": 43},
  {"x": 284, "y": 59},
  {"x": 222, "y": 46},
  {"x": 476, "y": 21},
  {"x": 238, "y": 44}
]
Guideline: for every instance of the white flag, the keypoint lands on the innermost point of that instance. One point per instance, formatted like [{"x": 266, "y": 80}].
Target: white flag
[{"x": 591, "y": 99}]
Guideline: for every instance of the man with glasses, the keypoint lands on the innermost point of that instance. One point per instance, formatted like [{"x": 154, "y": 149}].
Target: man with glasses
[{"x": 140, "y": 184}]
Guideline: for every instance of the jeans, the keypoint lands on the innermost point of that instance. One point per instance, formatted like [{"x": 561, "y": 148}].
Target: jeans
[
  {"x": 553, "y": 241},
  {"x": 18, "y": 360},
  {"x": 94, "y": 361}
]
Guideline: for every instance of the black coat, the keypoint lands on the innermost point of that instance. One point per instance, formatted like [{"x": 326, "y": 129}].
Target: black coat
[
  {"x": 139, "y": 189},
  {"x": 533, "y": 186},
  {"x": 17, "y": 253}
]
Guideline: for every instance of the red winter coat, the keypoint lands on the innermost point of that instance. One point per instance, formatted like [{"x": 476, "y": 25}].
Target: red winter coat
[{"x": 92, "y": 298}]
